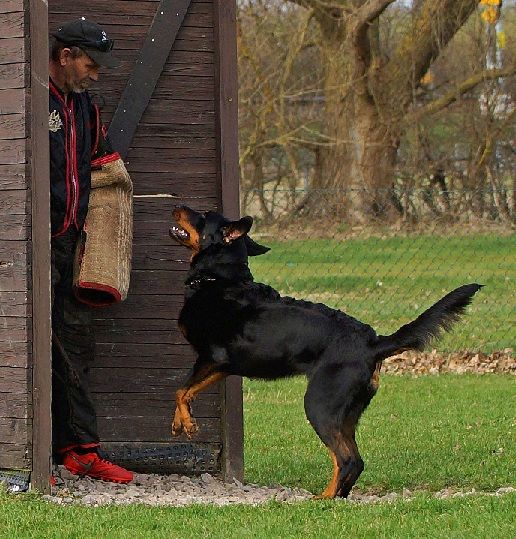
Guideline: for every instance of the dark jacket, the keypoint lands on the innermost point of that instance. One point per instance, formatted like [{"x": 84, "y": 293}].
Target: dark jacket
[{"x": 77, "y": 141}]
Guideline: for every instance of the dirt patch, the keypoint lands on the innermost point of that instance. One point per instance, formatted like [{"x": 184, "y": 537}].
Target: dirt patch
[{"x": 423, "y": 363}]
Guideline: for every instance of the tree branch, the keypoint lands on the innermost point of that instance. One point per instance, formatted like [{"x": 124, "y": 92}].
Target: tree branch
[
  {"x": 454, "y": 94},
  {"x": 371, "y": 10},
  {"x": 434, "y": 25}
]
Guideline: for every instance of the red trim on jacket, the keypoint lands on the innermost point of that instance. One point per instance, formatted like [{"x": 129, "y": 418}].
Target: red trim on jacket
[
  {"x": 97, "y": 130},
  {"x": 104, "y": 160},
  {"x": 68, "y": 123}
]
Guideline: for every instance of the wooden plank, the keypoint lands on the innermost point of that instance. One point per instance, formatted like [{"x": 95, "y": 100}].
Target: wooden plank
[
  {"x": 13, "y": 266},
  {"x": 15, "y": 304},
  {"x": 12, "y": 126},
  {"x": 12, "y": 101},
  {"x": 192, "y": 165},
  {"x": 14, "y": 202},
  {"x": 144, "y": 405},
  {"x": 158, "y": 257},
  {"x": 14, "y": 354},
  {"x": 14, "y": 330},
  {"x": 41, "y": 437},
  {"x": 143, "y": 355},
  {"x": 15, "y": 456},
  {"x": 147, "y": 306},
  {"x": 153, "y": 429},
  {"x": 14, "y": 431},
  {"x": 15, "y": 405},
  {"x": 106, "y": 7},
  {"x": 9, "y": 6},
  {"x": 13, "y": 76},
  {"x": 161, "y": 394},
  {"x": 158, "y": 282},
  {"x": 226, "y": 99},
  {"x": 136, "y": 332},
  {"x": 136, "y": 96},
  {"x": 12, "y": 50},
  {"x": 14, "y": 227},
  {"x": 183, "y": 185},
  {"x": 14, "y": 381},
  {"x": 132, "y": 17},
  {"x": 12, "y": 151},
  {"x": 13, "y": 177},
  {"x": 12, "y": 24},
  {"x": 115, "y": 380}
]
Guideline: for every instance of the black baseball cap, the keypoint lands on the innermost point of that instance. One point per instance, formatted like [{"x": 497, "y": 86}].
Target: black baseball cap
[{"x": 90, "y": 37}]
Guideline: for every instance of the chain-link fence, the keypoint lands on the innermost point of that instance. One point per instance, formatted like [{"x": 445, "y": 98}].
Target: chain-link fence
[{"x": 385, "y": 265}]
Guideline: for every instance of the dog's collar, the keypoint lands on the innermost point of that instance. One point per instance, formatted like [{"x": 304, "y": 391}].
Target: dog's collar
[{"x": 198, "y": 281}]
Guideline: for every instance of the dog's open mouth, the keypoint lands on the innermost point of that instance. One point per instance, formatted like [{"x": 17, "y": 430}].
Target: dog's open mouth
[{"x": 179, "y": 234}]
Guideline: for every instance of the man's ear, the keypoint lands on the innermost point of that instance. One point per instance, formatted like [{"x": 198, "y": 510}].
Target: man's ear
[
  {"x": 237, "y": 229},
  {"x": 254, "y": 248}
]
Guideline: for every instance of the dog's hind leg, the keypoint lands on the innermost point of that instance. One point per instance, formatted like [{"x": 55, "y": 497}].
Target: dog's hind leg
[
  {"x": 333, "y": 404},
  {"x": 203, "y": 375}
]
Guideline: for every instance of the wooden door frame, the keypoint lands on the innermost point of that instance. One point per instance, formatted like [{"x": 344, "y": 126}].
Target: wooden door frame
[
  {"x": 39, "y": 170},
  {"x": 226, "y": 113}
]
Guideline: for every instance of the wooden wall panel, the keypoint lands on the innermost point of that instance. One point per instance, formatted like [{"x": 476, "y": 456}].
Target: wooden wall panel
[
  {"x": 15, "y": 306},
  {"x": 142, "y": 357}
]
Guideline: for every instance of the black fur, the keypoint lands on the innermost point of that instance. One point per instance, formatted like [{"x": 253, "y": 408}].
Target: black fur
[{"x": 239, "y": 327}]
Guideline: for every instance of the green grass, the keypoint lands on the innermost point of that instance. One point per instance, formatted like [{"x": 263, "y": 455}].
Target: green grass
[
  {"x": 419, "y": 433},
  {"x": 476, "y": 517},
  {"x": 387, "y": 282},
  {"x": 429, "y": 432}
]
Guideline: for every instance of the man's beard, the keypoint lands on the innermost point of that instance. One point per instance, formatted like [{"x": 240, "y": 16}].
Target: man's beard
[{"x": 79, "y": 86}]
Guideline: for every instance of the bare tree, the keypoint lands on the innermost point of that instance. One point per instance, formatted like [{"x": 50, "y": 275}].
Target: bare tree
[{"x": 371, "y": 94}]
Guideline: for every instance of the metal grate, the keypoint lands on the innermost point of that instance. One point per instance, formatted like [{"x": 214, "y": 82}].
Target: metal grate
[
  {"x": 15, "y": 480},
  {"x": 183, "y": 458}
]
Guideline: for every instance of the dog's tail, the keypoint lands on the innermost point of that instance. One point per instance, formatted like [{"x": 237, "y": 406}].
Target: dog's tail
[{"x": 438, "y": 318}]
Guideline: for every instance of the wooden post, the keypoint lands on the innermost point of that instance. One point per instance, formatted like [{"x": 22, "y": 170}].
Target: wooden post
[
  {"x": 38, "y": 150},
  {"x": 226, "y": 111}
]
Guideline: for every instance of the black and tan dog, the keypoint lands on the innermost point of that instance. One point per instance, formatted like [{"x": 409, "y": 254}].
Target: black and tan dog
[{"x": 240, "y": 327}]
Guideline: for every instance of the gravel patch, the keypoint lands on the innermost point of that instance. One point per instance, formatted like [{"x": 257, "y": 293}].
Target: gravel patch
[
  {"x": 173, "y": 489},
  {"x": 179, "y": 491}
]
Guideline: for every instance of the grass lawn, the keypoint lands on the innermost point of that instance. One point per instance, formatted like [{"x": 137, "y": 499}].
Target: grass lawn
[
  {"x": 475, "y": 517},
  {"x": 387, "y": 282},
  {"x": 419, "y": 433},
  {"x": 422, "y": 434},
  {"x": 429, "y": 432}
]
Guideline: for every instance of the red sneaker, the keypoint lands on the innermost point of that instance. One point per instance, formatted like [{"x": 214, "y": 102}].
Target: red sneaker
[{"x": 91, "y": 465}]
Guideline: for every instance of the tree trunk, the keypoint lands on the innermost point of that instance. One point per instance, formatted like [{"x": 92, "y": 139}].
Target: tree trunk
[{"x": 355, "y": 169}]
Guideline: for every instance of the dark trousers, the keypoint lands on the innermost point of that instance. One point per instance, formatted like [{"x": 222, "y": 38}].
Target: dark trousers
[{"x": 74, "y": 421}]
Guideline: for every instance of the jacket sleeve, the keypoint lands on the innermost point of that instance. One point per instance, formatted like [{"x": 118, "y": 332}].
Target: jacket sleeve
[{"x": 101, "y": 149}]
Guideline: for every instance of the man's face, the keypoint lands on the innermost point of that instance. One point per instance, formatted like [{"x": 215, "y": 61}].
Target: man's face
[{"x": 78, "y": 72}]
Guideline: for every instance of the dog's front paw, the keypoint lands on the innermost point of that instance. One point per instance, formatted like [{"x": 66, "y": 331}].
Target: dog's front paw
[
  {"x": 190, "y": 427},
  {"x": 177, "y": 424}
]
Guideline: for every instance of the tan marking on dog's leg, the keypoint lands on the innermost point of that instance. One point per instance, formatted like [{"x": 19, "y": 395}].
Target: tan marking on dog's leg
[
  {"x": 183, "y": 420},
  {"x": 375, "y": 379},
  {"x": 331, "y": 490}
]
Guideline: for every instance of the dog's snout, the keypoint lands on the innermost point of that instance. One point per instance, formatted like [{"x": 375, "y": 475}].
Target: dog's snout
[{"x": 176, "y": 212}]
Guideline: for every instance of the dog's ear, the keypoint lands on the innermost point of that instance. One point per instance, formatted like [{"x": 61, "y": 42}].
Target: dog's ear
[
  {"x": 254, "y": 248},
  {"x": 237, "y": 229}
]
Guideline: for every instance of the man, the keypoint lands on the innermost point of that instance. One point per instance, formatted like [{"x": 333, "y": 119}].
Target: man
[{"x": 77, "y": 139}]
